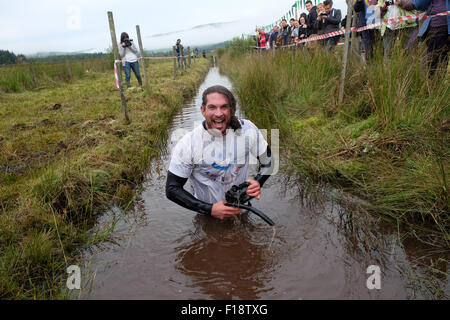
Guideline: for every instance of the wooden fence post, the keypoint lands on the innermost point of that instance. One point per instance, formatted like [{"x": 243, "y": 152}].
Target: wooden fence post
[
  {"x": 141, "y": 48},
  {"x": 112, "y": 30},
  {"x": 189, "y": 56},
  {"x": 355, "y": 38},
  {"x": 182, "y": 61},
  {"x": 174, "y": 62},
  {"x": 348, "y": 25},
  {"x": 69, "y": 69}
]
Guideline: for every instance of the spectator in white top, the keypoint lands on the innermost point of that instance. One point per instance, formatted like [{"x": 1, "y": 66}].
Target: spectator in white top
[{"x": 128, "y": 52}]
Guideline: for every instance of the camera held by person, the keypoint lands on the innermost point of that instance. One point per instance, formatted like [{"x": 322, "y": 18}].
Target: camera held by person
[{"x": 127, "y": 43}]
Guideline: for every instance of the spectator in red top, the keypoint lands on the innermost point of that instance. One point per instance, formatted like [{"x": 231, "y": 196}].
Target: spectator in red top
[{"x": 262, "y": 38}]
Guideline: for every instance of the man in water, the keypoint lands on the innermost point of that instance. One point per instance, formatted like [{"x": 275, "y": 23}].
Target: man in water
[{"x": 215, "y": 155}]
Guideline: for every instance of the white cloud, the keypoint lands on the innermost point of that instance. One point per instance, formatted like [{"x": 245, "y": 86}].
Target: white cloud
[{"x": 33, "y": 26}]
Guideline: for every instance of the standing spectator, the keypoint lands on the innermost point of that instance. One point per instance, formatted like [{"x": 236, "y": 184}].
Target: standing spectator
[
  {"x": 319, "y": 24},
  {"x": 303, "y": 29},
  {"x": 294, "y": 32},
  {"x": 291, "y": 26},
  {"x": 196, "y": 52},
  {"x": 128, "y": 52},
  {"x": 262, "y": 39},
  {"x": 331, "y": 19},
  {"x": 367, "y": 36},
  {"x": 311, "y": 18},
  {"x": 179, "y": 51},
  {"x": 285, "y": 32},
  {"x": 274, "y": 37},
  {"x": 436, "y": 30},
  {"x": 391, "y": 31}
]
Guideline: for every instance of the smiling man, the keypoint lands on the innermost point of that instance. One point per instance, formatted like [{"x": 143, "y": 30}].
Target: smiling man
[{"x": 215, "y": 156}]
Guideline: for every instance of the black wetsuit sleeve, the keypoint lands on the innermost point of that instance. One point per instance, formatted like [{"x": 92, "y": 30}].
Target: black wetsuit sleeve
[
  {"x": 265, "y": 167},
  {"x": 176, "y": 193}
]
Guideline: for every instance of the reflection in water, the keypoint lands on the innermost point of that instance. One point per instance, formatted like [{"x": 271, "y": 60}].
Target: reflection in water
[{"x": 209, "y": 259}]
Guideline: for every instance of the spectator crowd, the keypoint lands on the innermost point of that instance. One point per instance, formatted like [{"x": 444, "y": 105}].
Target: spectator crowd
[{"x": 324, "y": 18}]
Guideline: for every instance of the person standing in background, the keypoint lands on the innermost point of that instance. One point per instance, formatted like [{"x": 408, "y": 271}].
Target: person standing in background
[
  {"x": 128, "y": 52},
  {"x": 367, "y": 36},
  {"x": 435, "y": 30}
]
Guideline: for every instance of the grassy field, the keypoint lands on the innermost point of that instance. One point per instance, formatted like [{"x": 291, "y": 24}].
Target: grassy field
[
  {"x": 388, "y": 142},
  {"x": 29, "y": 76},
  {"x": 66, "y": 154}
]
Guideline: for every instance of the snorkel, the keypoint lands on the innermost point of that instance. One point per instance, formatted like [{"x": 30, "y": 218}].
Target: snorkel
[{"x": 237, "y": 196}]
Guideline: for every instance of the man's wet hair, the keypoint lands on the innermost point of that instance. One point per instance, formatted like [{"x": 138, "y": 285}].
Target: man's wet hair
[{"x": 234, "y": 122}]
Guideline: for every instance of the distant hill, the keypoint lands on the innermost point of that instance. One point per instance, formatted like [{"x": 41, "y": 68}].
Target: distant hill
[
  {"x": 208, "y": 25},
  {"x": 7, "y": 57},
  {"x": 63, "y": 56},
  {"x": 168, "y": 51}
]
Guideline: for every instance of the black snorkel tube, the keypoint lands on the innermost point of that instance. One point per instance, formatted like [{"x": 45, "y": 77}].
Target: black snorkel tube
[{"x": 237, "y": 196}]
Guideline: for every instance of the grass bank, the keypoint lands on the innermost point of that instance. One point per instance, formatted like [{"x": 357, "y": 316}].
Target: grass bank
[
  {"x": 18, "y": 78},
  {"x": 388, "y": 142},
  {"x": 66, "y": 154}
]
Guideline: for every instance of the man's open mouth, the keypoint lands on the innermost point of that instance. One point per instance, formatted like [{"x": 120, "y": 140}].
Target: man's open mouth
[{"x": 218, "y": 124}]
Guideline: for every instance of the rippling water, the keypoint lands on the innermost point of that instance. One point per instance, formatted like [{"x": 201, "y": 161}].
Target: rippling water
[{"x": 320, "y": 249}]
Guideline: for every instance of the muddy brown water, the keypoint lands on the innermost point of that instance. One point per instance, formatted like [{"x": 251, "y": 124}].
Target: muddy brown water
[{"x": 321, "y": 247}]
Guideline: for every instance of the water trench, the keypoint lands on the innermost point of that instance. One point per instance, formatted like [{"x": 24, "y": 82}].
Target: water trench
[{"x": 321, "y": 248}]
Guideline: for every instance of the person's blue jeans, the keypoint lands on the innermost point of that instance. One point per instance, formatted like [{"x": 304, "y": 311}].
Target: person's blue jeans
[
  {"x": 179, "y": 58},
  {"x": 135, "y": 67}
]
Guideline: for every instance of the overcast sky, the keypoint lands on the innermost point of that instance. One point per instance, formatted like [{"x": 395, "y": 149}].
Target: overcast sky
[{"x": 80, "y": 25}]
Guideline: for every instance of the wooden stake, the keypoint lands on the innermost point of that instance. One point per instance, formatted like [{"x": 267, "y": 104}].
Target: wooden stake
[
  {"x": 355, "y": 38},
  {"x": 69, "y": 69},
  {"x": 174, "y": 62},
  {"x": 141, "y": 48},
  {"x": 112, "y": 30},
  {"x": 189, "y": 56},
  {"x": 348, "y": 25},
  {"x": 182, "y": 64}
]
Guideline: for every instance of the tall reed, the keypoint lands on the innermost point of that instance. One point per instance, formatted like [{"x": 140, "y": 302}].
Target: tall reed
[{"x": 387, "y": 142}]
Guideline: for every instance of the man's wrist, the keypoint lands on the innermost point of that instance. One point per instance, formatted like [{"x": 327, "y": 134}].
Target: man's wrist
[{"x": 206, "y": 209}]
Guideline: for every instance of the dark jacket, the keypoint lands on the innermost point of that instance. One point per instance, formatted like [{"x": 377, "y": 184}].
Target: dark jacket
[
  {"x": 311, "y": 19},
  {"x": 304, "y": 31},
  {"x": 360, "y": 9},
  {"x": 286, "y": 34},
  {"x": 273, "y": 38},
  {"x": 426, "y": 5},
  {"x": 332, "y": 21}
]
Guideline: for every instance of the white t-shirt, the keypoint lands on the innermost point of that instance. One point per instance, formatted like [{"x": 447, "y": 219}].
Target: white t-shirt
[{"x": 214, "y": 164}]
